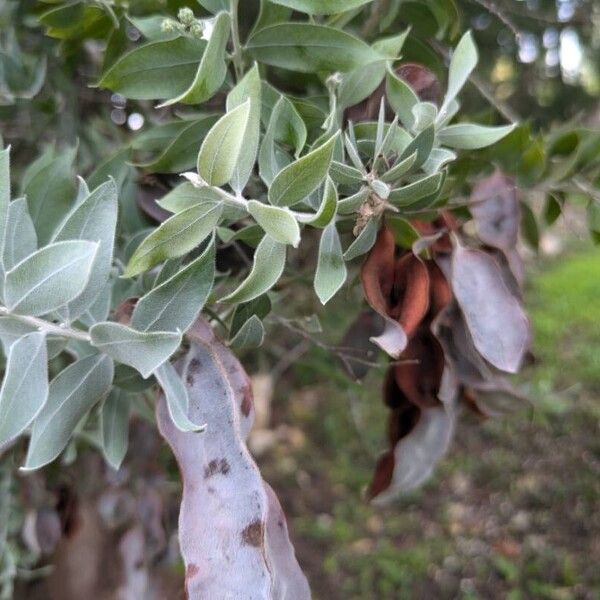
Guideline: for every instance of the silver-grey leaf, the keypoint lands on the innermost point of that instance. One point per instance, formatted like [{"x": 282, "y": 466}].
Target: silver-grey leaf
[
  {"x": 50, "y": 277},
  {"x": 177, "y": 398},
  {"x": 114, "y": 420},
  {"x": 94, "y": 219},
  {"x": 175, "y": 304},
  {"x": 144, "y": 351},
  {"x": 25, "y": 385},
  {"x": 72, "y": 393},
  {"x": 20, "y": 238}
]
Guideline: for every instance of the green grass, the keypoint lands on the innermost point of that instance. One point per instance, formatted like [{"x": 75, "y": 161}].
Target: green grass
[
  {"x": 511, "y": 512},
  {"x": 564, "y": 302}
]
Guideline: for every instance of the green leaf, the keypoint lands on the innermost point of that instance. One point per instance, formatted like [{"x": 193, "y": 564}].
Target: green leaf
[
  {"x": 114, "y": 420},
  {"x": 278, "y": 222},
  {"x": 151, "y": 27},
  {"x": 144, "y": 351},
  {"x": 177, "y": 397},
  {"x": 552, "y": 208},
  {"x": 95, "y": 220},
  {"x": 401, "y": 97},
  {"x": 400, "y": 168},
  {"x": 327, "y": 209},
  {"x": 161, "y": 69},
  {"x": 290, "y": 128},
  {"x": 300, "y": 178},
  {"x": 309, "y": 48},
  {"x": 364, "y": 242},
  {"x": 463, "y": 61},
  {"x": 221, "y": 148},
  {"x": 267, "y": 267},
  {"x": 351, "y": 204},
  {"x": 129, "y": 380},
  {"x": 322, "y": 7},
  {"x": 271, "y": 159},
  {"x": 345, "y": 174},
  {"x": 468, "y": 136},
  {"x": 407, "y": 195},
  {"x": 24, "y": 387},
  {"x": 186, "y": 195},
  {"x": 20, "y": 238},
  {"x": 390, "y": 47},
  {"x": 76, "y": 21},
  {"x": 175, "y": 237},
  {"x": 72, "y": 393},
  {"x": 260, "y": 307},
  {"x": 182, "y": 148},
  {"x": 438, "y": 159},
  {"x": 49, "y": 278},
  {"x": 249, "y": 88},
  {"x": 425, "y": 114},
  {"x": 529, "y": 227},
  {"x": 404, "y": 232},
  {"x": 269, "y": 14},
  {"x": 360, "y": 83},
  {"x": 49, "y": 194},
  {"x": 212, "y": 68},
  {"x": 250, "y": 335},
  {"x": 215, "y": 6},
  {"x": 422, "y": 144},
  {"x": 175, "y": 304},
  {"x": 331, "y": 270}
]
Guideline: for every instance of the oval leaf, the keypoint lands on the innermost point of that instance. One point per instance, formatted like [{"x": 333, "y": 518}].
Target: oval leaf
[
  {"x": 309, "y": 48},
  {"x": 175, "y": 237},
  {"x": 278, "y": 222},
  {"x": 177, "y": 397},
  {"x": 302, "y": 177},
  {"x": 222, "y": 145},
  {"x": 464, "y": 60},
  {"x": 114, "y": 420},
  {"x": 95, "y": 220},
  {"x": 249, "y": 88},
  {"x": 25, "y": 385},
  {"x": 161, "y": 69},
  {"x": 212, "y": 68},
  {"x": 175, "y": 304},
  {"x": 71, "y": 394},
  {"x": 267, "y": 267},
  {"x": 49, "y": 278},
  {"x": 322, "y": 7},
  {"x": 331, "y": 269},
  {"x": 144, "y": 351},
  {"x": 468, "y": 136},
  {"x": 20, "y": 237}
]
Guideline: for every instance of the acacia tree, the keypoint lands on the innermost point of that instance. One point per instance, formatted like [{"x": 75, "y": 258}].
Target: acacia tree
[{"x": 290, "y": 140}]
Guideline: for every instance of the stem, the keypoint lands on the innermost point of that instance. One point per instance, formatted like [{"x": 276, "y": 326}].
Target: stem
[
  {"x": 47, "y": 327},
  {"x": 237, "y": 201},
  {"x": 238, "y": 63}
]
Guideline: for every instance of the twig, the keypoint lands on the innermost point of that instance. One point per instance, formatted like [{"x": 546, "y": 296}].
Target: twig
[
  {"x": 378, "y": 8},
  {"x": 49, "y": 328},
  {"x": 493, "y": 9}
]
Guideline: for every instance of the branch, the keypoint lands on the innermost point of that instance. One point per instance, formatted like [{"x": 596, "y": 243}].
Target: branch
[{"x": 47, "y": 327}]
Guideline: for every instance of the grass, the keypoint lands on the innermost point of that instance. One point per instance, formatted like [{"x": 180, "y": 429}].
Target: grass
[{"x": 512, "y": 511}]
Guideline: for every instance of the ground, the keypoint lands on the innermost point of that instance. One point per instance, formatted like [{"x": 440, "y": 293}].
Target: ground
[{"x": 513, "y": 510}]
